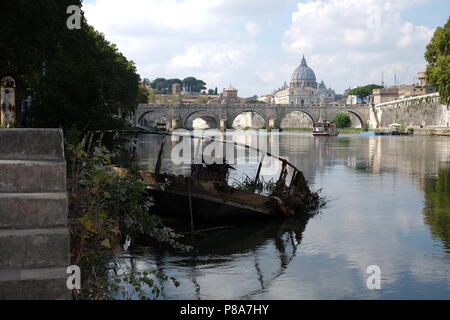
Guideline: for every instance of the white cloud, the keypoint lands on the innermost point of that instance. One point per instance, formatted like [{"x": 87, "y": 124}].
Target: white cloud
[
  {"x": 352, "y": 42},
  {"x": 223, "y": 41},
  {"x": 211, "y": 40},
  {"x": 252, "y": 29}
]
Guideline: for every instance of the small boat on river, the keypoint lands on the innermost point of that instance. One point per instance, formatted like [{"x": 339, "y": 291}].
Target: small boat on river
[{"x": 325, "y": 128}]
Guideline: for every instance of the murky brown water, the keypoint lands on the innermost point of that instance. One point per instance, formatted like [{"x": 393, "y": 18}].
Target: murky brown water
[{"x": 388, "y": 205}]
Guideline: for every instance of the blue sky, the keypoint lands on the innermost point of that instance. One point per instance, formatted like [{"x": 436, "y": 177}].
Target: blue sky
[{"x": 255, "y": 45}]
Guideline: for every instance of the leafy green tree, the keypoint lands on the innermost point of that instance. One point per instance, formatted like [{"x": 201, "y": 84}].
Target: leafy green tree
[
  {"x": 147, "y": 82},
  {"x": 194, "y": 85},
  {"x": 253, "y": 99},
  {"x": 161, "y": 85},
  {"x": 201, "y": 99},
  {"x": 342, "y": 120},
  {"x": 438, "y": 57},
  {"x": 143, "y": 93},
  {"x": 364, "y": 91},
  {"x": 77, "y": 79},
  {"x": 152, "y": 96}
]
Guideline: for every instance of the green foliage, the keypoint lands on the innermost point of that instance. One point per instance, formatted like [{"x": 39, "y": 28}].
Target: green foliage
[
  {"x": 343, "y": 120},
  {"x": 194, "y": 85},
  {"x": 364, "y": 91},
  {"x": 251, "y": 185},
  {"x": 436, "y": 212},
  {"x": 143, "y": 94},
  {"x": 152, "y": 98},
  {"x": 107, "y": 205},
  {"x": 202, "y": 99},
  {"x": 76, "y": 77},
  {"x": 164, "y": 86},
  {"x": 253, "y": 99},
  {"x": 438, "y": 57}
]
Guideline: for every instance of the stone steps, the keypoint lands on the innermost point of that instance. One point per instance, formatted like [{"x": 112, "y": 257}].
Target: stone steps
[
  {"x": 20, "y": 176},
  {"x": 34, "y": 238},
  {"x": 34, "y": 284},
  {"x": 32, "y": 144},
  {"x": 33, "y": 210},
  {"x": 39, "y": 248}
]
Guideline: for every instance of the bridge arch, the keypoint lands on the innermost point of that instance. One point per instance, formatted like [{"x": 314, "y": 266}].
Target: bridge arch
[
  {"x": 156, "y": 116},
  {"x": 361, "y": 119},
  {"x": 211, "y": 119},
  {"x": 235, "y": 115},
  {"x": 290, "y": 112}
]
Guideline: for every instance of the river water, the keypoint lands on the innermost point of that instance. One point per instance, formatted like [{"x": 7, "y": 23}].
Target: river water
[{"x": 388, "y": 205}]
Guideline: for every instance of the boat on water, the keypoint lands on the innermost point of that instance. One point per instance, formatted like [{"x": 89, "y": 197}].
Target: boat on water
[
  {"x": 325, "y": 128},
  {"x": 205, "y": 193},
  {"x": 208, "y": 196}
]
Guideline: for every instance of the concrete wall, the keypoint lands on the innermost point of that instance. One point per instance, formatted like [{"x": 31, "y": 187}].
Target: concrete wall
[
  {"x": 423, "y": 110},
  {"x": 34, "y": 237}
]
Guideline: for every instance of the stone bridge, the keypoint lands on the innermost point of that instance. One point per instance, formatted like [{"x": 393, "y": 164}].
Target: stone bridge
[{"x": 222, "y": 116}]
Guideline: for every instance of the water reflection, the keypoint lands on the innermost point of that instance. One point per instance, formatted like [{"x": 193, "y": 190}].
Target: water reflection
[
  {"x": 389, "y": 205},
  {"x": 437, "y": 206}
]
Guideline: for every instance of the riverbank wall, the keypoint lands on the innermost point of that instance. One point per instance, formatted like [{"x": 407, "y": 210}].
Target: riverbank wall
[
  {"x": 422, "y": 111},
  {"x": 34, "y": 236}
]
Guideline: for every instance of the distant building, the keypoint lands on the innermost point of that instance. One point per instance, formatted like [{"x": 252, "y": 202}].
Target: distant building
[
  {"x": 177, "y": 88},
  {"x": 403, "y": 91},
  {"x": 383, "y": 95},
  {"x": 303, "y": 89}
]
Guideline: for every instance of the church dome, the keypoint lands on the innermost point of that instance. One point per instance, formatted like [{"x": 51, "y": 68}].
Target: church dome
[{"x": 304, "y": 76}]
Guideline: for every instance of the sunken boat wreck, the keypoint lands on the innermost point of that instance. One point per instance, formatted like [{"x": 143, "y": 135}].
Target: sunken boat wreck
[{"x": 205, "y": 194}]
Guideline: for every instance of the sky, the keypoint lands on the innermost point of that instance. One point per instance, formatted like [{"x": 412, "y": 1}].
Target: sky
[{"x": 255, "y": 45}]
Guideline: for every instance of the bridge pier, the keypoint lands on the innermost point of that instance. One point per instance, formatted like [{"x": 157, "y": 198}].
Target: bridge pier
[
  {"x": 273, "y": 123},
  {"x": 173, "y": 124},
  {"x": 223, "y": 124}
]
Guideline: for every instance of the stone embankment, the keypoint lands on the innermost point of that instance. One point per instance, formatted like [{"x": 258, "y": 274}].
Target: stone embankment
[{"x": 34, "y": 237}]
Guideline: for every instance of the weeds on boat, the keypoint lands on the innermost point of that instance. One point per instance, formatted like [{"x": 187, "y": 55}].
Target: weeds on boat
[{"x": 259, "y": 186}]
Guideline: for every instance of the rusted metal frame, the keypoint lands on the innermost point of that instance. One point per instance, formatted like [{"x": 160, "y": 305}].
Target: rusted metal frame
[
  {"x": 209, "y": 139},
  {"x": 159, "y": 161},
  {"x": 259, "y": 169}
]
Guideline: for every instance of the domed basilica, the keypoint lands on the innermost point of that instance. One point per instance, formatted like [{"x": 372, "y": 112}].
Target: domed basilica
[{"x": 303, "y": 89}]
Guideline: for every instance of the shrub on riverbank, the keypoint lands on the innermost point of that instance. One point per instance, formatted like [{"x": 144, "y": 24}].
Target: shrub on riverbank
[
  {"x": 343, "y": 120},
  {"x": 108, "y": 206}
]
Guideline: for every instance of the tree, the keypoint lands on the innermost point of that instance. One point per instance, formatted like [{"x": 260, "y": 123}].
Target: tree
[
  {"x": 77, "y": 79},
  {"x": 438, "y": 57},
  {"x": 152, "y": 96},
  {"x": 171, "y": 82},
  {"x": 201, "y": 99},
  {"x": 342, "y": 120},
  {"x": 194, "y": 85},
  {"x": 364, "y": 91},
  {"x": 147, "y": 82},
  {"x": 161, "y": 85},
  {"x": 253, "y": 99},
  {"x": 143, "y": 94}
]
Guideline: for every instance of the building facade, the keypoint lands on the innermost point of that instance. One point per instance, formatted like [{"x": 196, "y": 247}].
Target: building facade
[{"x": 303, "y": 89}]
